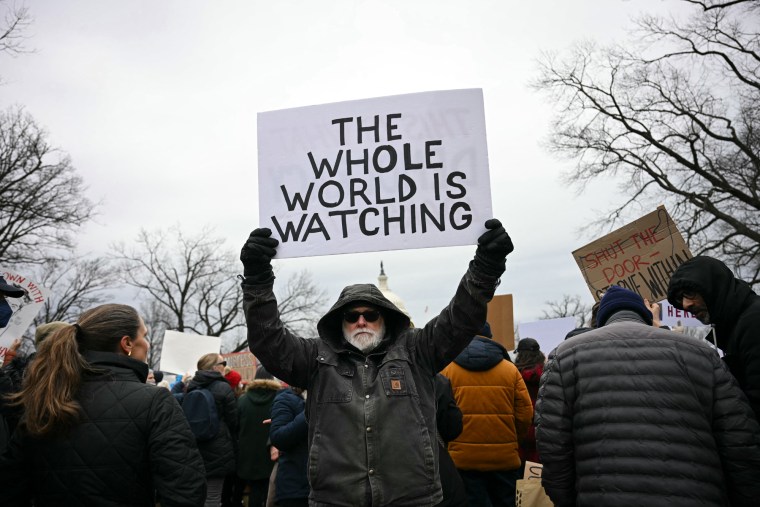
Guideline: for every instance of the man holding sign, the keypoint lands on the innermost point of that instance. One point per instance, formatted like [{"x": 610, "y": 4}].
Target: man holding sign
[{"x": 371, "y": 403}]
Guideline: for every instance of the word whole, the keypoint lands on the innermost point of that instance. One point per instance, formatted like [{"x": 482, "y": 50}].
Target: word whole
[{"x": 361, "y": 200}]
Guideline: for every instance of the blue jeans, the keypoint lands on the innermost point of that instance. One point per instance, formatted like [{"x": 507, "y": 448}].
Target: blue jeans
[{"x": 490, "y": 489}]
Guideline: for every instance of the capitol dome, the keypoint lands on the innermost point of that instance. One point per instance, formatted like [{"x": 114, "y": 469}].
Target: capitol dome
[{"x": 382, "y": 284}]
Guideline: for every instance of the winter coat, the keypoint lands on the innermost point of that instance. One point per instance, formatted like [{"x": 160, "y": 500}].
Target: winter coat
[
  {"x": 132, "y": 439},
  {"x": 219, "y": 452},
  {"x": 631, "y": 415},
  {"x": 449, "y": 423},
  {"x": 255, "y": 406},
  {"x": 531, "y": 377},
  {"x": 497, "y": 410},
  {"x": 735, "y": 312},
  {"x": 371, "y": 416},
  {"x": 289, "y": 434}
]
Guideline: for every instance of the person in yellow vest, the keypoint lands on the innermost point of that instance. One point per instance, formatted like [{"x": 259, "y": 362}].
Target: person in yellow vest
[{"x": 497, "y": 413}]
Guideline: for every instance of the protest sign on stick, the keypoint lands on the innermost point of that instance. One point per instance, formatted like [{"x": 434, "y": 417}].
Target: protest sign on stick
[
  {"x": 24, "y": 308},
  {"x": 641, "y": 256},
  {"x": 407, "y": 171}
]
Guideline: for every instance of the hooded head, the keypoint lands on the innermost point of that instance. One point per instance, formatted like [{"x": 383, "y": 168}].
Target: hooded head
[
  {"x": 330, "y": 327},
  {"x": 617, "y": 299},
  {"x": 723, "y": 293}
]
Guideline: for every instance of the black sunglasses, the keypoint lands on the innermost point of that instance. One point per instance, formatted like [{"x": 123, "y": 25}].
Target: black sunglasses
[
  {"x": 223, "y": 363},
  {"x": 369, "y": 316}
]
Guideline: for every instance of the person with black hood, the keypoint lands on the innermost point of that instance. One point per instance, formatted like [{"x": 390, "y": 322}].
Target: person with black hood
[
  {"x": 497, "y": 413},
  {"x": 706, "y": 288},
  {"x": 370, "y": 376},
  {"x": 629, "y": 414},
  {"x": 220, "y": 450}
]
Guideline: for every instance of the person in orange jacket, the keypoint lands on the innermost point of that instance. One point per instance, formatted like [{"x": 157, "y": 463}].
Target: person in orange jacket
[{"x": 497, "y": 412}]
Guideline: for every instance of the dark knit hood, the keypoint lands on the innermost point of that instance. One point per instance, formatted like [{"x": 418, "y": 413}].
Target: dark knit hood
[
  {"x": 724, "y": 294},
  {"x": 481, "y": 354},
  {"x": 330, "y": 326}
]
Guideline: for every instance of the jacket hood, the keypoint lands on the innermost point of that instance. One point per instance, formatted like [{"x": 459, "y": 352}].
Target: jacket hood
[
  {"x": 724, "y": 294},
  {"x": 330, "y": 326},
  {"x": 264, "y": 384},
  {"x": 204, "y": 378},
  {"x": 482, "y": 354}
]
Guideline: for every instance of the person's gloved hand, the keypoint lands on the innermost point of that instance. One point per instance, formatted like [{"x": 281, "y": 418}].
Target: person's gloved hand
[
  {"x": 493, "y": 247},
  {"x": 256, "y": 256}
]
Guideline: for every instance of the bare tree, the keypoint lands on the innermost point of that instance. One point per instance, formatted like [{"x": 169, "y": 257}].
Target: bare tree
[
  {"x": 12, "y": 29},
  {"x": 41, "y": 197},
  {"x": 568, "y": 306},
  {"x": 190, "y": 285},
  {"x": 157, "y": 319},
  {"x": 193, "y": 277},
  {"x": 676, "y": 114},
  {"x": 76, "y": 284},
  {"x": 300, "y": 303}
]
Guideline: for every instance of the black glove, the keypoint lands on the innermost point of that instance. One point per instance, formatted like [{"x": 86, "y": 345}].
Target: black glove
[
  {"x": 493, "y": 247},
  {"x": 256, "y": 256}
]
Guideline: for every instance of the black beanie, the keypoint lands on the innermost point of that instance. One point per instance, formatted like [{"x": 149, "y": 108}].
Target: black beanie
[{"x": 616, "y": 299}]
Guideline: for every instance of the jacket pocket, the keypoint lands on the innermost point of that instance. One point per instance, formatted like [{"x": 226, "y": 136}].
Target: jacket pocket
[
  {"x": 335, "y": 381},
  {"x": 395, "y": 380}
]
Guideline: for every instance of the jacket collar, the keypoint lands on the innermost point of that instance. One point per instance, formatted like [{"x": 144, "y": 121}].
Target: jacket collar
[{"x": 117, "y": 363}]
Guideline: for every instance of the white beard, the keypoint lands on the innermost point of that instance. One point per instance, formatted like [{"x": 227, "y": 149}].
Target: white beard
[{"x": 365, "y": 339}]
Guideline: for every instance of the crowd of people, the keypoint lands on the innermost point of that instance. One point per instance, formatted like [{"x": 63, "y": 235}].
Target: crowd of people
[{"x": 377, "y": 412}]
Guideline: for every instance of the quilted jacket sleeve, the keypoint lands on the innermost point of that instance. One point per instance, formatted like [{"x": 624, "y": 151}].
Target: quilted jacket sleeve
[
  {"x": 554, "y": 435},
  {"x": 177, "y": 466},
  {"x": 737, "y": 435},
  {"x": 523, "y": 407}
]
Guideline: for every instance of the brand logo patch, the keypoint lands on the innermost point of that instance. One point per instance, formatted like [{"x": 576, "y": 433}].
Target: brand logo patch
[{"x": 395, "y": 384}]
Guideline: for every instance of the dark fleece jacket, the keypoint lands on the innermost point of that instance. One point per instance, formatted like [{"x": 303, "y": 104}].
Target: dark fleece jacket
[{"x": 735, "y": 313}]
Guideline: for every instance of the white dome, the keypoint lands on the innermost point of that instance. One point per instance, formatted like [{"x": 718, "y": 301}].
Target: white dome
[{"x": 382, "y": 284}]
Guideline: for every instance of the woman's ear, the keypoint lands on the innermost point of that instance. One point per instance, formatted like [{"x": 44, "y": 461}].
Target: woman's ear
[{"x": 125, "y": 345}]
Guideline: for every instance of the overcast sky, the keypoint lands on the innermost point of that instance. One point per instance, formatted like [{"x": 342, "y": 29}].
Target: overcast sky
[{"x": 156, "y": 102}]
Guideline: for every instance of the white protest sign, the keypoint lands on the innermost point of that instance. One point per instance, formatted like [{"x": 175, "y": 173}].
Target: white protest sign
[
  {"x": 548, "y": 333},
  {"x": 407, "y": 171},
  {"x": 672, "y": 316},
  {"x": 181, "y": 351},
  {"x": 25, "y": 308}
]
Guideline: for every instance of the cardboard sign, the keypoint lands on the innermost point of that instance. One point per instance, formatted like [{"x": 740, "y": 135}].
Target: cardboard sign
[
  {"x": 181, "y": 351},
  {"x": 641, "y": 256},
  {"x": 501, "y": 319},
  {"x": 533, "y": 470},
  {"x": 407, "y": 171},
  {"x": 25, "y": 308}
]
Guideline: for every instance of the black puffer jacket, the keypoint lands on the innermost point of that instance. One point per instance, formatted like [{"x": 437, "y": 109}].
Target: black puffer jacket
[
  {"x": 630, "y": 415},
  {"x": 735, "y": 312},
  {"x": 372, "y": 435},
  {"x": 219, "y": 452},
  {"x": 132, "y": 439}
]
